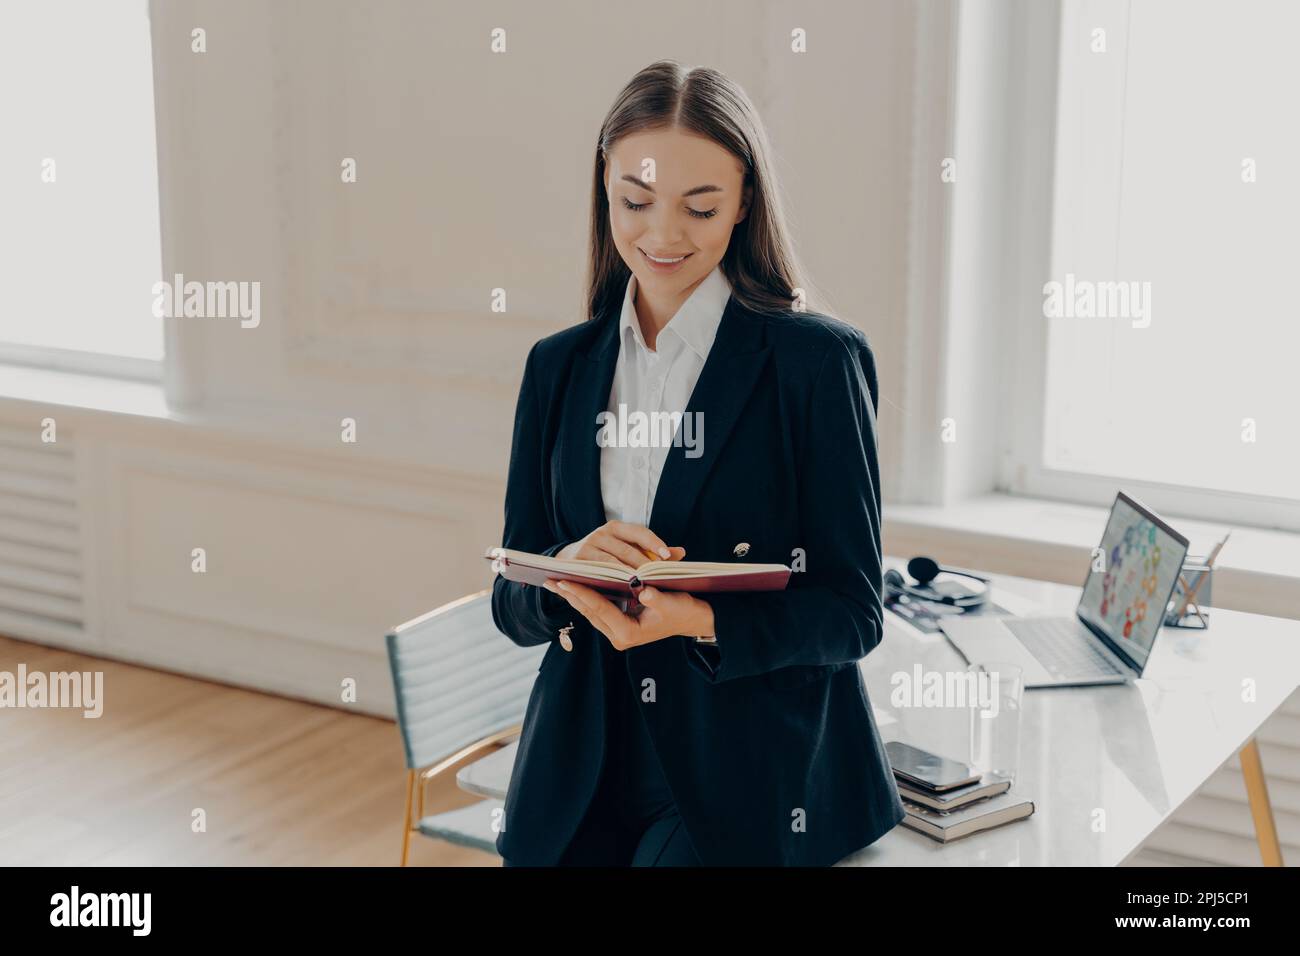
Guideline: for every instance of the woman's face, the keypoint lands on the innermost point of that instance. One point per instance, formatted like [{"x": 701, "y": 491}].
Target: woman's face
[{"x": 673, "y": 196}]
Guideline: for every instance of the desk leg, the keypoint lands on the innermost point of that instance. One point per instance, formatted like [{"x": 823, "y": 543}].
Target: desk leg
[{"x": 1252, "y": 768}]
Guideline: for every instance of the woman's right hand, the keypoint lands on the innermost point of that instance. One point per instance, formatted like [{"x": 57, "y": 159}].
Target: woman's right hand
[{"x": 623, "y": 542}]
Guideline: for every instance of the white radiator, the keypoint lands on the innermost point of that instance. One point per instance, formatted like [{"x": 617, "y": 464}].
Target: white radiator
[{"x": 40, "y": 537}]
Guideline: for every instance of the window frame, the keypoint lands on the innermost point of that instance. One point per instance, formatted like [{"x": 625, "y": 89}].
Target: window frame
[
  {"x": 1024, "y": 374},
  {"x": 103, "y": 364}
]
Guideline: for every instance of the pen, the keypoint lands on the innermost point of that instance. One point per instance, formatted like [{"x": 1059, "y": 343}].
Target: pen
[
  {"x": 1217, "y": 548},
  {"x": 1190, "y": 592}
]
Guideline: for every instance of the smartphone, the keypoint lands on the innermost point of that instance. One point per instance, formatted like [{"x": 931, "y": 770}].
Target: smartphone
[{"x": 924, "y": 769}]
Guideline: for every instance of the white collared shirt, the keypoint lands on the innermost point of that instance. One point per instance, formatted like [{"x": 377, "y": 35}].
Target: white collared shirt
[{"x": 658, "y": 380}]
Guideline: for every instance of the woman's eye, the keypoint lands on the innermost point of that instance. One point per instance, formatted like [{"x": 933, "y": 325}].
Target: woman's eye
[{"x": 697, "y": 213}]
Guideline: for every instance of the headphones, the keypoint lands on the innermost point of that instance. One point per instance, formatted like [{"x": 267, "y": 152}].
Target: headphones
[{"x": 925, "y": 570}]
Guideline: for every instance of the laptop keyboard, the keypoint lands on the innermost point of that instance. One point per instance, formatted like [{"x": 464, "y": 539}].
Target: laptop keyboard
[{"x": 1058, "y": 647}]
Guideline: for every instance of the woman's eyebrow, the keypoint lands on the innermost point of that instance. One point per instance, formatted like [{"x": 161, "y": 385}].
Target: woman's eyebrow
[{"x": 637, "y": 181}]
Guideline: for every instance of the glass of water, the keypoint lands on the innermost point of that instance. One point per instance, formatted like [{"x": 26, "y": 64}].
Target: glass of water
[{"x": 998, "y": 691}]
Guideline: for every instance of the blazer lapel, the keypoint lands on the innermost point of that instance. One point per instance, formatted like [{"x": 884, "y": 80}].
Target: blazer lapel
[
  {"x": 593, "y": 377},
  {"x": 725, "y": 383},
  {"x": 724, "y": 386}
]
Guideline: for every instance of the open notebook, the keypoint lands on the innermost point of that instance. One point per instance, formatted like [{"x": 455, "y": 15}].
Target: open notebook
[{"x": 611, "y": 577}]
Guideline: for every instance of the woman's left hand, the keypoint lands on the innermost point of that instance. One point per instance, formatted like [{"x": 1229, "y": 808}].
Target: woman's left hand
[{"x": 665, "y": 614}]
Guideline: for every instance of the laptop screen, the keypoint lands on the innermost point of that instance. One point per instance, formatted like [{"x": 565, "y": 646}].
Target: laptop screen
[{"x": 1141, "y": 559}]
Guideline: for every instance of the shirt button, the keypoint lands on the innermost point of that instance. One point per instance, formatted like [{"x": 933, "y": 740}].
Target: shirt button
[{"x": 638, "y": 463}]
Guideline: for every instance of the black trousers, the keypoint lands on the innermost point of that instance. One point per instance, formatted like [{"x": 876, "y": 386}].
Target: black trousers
[{"x": 632, "y": 819}]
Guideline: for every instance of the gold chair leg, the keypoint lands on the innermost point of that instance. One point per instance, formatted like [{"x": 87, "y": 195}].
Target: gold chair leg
[
  {"x": 406, "y": 821},
  {"x": 1252, "y": 768}
]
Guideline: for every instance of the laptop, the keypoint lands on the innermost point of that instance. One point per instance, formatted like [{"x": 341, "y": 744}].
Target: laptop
[{"x": 1121, "y": 609}]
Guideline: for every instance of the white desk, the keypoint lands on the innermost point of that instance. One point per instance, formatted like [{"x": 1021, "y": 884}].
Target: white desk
[{"x": 1135, "y": 752}]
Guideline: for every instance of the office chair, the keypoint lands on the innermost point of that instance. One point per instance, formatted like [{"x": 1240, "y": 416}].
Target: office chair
[{"x": 456, "y": 679}]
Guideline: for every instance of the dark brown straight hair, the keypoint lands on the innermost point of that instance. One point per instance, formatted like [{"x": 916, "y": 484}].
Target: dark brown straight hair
[{"x": 760, "y": 262}]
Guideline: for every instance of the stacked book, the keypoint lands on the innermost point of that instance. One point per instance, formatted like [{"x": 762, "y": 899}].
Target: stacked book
[{"x": 949, "y": 815}]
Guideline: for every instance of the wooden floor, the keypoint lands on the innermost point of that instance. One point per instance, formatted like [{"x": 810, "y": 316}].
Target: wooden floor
[{"x": 282, "y": 782}]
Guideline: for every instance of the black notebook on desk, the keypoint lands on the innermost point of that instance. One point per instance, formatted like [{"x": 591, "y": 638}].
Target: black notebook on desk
[{"x": 984, "y": 814}]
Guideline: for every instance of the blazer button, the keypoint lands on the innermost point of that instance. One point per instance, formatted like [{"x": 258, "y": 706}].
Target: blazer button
[
  {"x": 741, "y": 549},
  {"x": 565, "y": 641}
]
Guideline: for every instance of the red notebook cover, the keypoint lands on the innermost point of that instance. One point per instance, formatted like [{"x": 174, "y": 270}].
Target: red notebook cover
[{"x": 625, "y": 592}]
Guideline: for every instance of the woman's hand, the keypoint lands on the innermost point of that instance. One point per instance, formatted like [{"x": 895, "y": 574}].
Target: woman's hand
[
  {"x": 623, "y": 542},
  {"x": 665, "y": 614}
]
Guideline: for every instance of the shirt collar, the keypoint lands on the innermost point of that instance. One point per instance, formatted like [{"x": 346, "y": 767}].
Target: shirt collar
[{"x": 696, "y": 322}]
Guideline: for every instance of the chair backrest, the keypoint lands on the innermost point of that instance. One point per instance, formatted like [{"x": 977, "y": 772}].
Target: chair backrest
[{"x": 457, "y": 678}]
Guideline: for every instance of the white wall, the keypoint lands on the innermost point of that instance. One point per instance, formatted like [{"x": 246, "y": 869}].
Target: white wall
[{"x": 474, "y": 174}]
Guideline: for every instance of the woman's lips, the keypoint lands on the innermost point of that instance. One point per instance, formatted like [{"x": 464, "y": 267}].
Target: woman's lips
[{"x": 659, "y": 266}]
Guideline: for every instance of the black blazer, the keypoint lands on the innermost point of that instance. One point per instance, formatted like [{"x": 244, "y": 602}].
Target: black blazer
[{"x": 768, "y": 743}]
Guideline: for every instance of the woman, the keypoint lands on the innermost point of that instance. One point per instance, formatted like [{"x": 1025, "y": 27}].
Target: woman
[{"x": 730, "y": 729}]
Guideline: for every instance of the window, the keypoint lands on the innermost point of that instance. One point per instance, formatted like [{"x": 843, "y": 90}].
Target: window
[
  {"x": 80, "y": 242},
  {"x": 1171, "y": 338}
]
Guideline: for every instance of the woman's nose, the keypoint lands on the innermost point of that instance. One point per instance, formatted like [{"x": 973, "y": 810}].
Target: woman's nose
[{"x": 665, "y": 231}]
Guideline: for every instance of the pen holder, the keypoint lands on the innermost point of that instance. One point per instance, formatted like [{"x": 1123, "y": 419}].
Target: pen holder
[{"x": 1195, "y": 579}]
